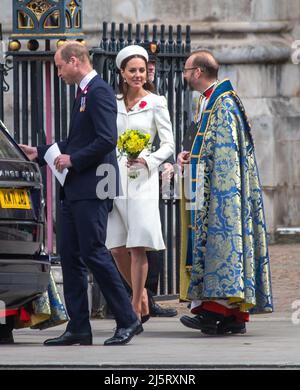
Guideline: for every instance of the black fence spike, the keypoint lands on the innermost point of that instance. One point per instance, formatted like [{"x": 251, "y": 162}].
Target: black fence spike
[
  {"x": 179, "y": 39},
  {"x": 154, "y": 33},
  {"x": 138, "y": 33},
  {"x": 113, "y": 36},
  {"x": 162, "y": 38},
  {"x": 170, "y": 40},
  {"x": 146, "y": 33},
  {"x": 188, "y": 39},
  {"x": 121, "y": 43},
  {"x": 129, "y": 34},
  {"x": 104, "y": 43}
]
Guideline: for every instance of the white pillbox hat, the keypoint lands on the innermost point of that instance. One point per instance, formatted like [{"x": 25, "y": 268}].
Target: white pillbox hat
[{"x": 131, "y": 50}]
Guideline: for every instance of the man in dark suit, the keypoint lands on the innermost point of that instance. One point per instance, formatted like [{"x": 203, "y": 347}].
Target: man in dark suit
[{"x": 86, "y": 201}]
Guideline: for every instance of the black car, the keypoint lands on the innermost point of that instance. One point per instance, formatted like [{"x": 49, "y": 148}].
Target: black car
[{"x": 24, "y": 268}]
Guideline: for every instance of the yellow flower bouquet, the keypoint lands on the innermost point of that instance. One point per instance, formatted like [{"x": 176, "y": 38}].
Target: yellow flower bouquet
[{"x": 131, "y": 143}]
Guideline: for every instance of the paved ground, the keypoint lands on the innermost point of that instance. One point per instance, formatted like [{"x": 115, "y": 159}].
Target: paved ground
[
  {"x": 285, "y": 271},
  {"x": 272, "y": 341}
]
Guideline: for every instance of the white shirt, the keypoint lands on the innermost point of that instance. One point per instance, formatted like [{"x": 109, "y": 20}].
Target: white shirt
[
  {"x": 87, "y": 78},
  {"x": 204, "y": 102}
]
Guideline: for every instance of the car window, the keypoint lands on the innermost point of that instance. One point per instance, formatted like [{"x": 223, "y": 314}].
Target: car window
[{"x": 7, "y": 148}]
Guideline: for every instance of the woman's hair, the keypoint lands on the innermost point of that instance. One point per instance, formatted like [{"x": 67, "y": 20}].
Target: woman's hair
[{"x": 123, "y": 88}]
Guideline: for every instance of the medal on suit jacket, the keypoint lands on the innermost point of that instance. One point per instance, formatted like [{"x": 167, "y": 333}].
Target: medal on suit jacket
[{"x": 83, "y": 99}]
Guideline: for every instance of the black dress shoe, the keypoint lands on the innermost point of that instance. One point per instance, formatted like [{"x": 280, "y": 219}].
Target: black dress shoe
[
  {"x": 6, "y": 334},
  {"x": 69, "y": 338},
  {"x": 7, "y": 339},
  {"x": 230, "y": 325},
  {"x": 124, "y": 335},
  {"x": 191, "y": 322},
  {"x": 157, "y": 311},
  {"x": 145, "y": 318},
  {"x": 206, "y": 321}
]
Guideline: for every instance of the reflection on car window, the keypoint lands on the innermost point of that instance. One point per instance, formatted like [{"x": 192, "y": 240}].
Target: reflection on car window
[{"x": 8, "y": 149}]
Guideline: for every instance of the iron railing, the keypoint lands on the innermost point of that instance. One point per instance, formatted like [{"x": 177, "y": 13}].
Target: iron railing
[{"x": 31, "y": 108}]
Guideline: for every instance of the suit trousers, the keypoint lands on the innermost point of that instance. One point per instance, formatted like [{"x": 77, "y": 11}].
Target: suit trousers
[{"x": 83, "y": 235}]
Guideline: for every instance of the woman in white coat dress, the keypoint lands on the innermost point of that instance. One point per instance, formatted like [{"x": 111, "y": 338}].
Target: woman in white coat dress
[{"x": 134, "y": 224}]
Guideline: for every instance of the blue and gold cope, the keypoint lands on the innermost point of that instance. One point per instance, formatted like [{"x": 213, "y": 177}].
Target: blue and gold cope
[{"x": 224, "y": 252}]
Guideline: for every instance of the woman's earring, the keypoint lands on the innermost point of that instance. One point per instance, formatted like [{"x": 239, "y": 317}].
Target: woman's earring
[{"x": 125, "y": 81}]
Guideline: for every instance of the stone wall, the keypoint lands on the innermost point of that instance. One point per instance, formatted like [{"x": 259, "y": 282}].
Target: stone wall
[{"x": 252, "y": 40}]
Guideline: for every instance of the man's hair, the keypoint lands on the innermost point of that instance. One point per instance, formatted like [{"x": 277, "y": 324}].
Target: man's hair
[
  {"x": 207, "y": 62},
  {"x": 74, "y": 49}
]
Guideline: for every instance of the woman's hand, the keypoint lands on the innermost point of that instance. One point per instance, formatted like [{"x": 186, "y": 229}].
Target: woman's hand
[{"x": 136, "y": 161}]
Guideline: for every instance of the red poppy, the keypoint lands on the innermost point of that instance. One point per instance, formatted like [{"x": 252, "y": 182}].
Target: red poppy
[{"x": 142, "y": 104}]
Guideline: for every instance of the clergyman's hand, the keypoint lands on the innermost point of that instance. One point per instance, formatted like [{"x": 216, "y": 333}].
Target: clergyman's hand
[
  {"x": 30, "y": 151},
  {"x": 183, "y": 158}
]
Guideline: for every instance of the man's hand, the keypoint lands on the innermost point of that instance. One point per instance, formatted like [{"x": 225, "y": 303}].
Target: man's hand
[
  {"x": 62, "y": 161},
  {"x": 183, "y": 158},
  {"x": 30, "y": 151}
]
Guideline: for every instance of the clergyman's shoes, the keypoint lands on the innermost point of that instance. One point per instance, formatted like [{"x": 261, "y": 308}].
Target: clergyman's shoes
[
  {"x": 231, "y": 325},
  {"x": 69, "y": 338},
  {"x": 124, "y": 335},
  {"x": 191, "y": 322},
  {"x": 214, "y": 324},
  {"x": 206, "y": 321}
]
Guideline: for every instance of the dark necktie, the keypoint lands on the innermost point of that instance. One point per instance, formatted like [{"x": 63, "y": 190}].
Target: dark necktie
[{"x": 79, "y": 90}]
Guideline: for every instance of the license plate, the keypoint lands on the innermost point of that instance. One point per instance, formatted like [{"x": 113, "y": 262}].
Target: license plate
[{"x": 14, "y": 199}]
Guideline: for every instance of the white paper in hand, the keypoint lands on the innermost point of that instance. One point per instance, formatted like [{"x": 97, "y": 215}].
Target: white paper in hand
[{"x": 49, "y": 157}]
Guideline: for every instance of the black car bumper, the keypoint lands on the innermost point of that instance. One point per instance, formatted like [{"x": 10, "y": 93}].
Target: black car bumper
[{"x": 22, "y": 280}]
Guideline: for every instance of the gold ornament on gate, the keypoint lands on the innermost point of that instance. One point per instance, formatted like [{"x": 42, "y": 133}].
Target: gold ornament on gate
[
  {"x": 60, "y": 42},
  {"x": 14, "y": 45}
]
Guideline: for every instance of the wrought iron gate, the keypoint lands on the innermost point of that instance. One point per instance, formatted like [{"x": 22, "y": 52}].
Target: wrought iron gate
[{"x": 37, "y": 90}]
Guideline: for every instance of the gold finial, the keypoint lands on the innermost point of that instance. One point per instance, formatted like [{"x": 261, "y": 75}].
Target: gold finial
[
  {"x": 60, "y": 42},
  {"x": 82, "y": 41},
  {"x": 14, "y": 45}
]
